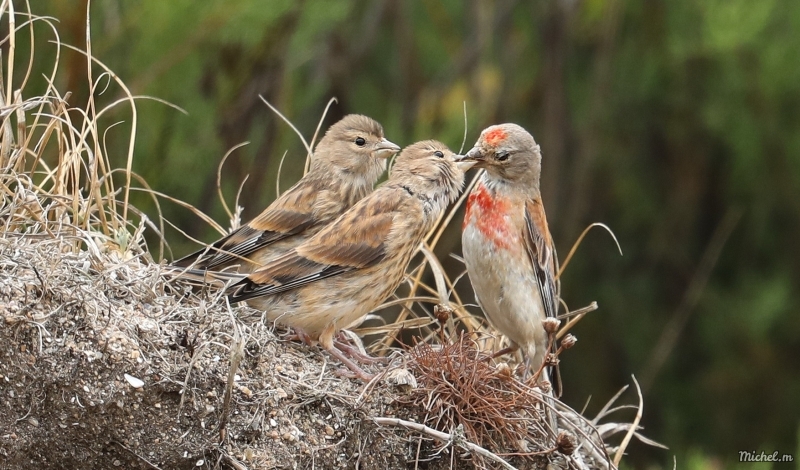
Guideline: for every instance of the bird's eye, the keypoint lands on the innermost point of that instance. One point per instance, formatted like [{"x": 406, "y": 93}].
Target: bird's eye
[
  {"x": 360, "y": 141},
  {"x": 503, "y": 156},
  {"x": 438, "y": 154}
]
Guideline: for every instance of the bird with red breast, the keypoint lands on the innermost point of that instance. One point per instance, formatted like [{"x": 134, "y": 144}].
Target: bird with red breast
[{"x": 507, "y": 245}]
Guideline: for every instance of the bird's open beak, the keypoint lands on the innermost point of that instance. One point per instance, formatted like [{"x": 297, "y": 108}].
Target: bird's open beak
[
  {"x": 464, "y": 165},
  {"x": 385, "y": 149},
  {"x": 470, "y": 159},
  {"x": 475, "y": 155}
]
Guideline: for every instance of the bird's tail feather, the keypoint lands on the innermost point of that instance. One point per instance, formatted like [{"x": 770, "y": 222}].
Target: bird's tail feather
[{"x": 203, "y": 277}]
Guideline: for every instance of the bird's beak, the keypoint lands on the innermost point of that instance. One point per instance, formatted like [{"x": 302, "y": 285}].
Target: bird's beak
[
  {"x": 470, "y": 159},
  {"x": 385, "y": 149},
  {"x": 475, "y": 154},
  {"x": 464, "y": 165}
]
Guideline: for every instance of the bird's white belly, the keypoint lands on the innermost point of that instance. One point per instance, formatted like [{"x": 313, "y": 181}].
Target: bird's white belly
[{"x": 506, "y": 289}]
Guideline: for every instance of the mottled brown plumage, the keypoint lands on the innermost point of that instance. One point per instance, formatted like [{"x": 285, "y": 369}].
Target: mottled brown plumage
[
  {"x": 345, "y": 166},
  {"x": 351, "y": 266}
]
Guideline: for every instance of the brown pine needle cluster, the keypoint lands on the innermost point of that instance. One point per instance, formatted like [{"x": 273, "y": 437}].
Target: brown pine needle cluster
[{"x": 458, "y": 386}]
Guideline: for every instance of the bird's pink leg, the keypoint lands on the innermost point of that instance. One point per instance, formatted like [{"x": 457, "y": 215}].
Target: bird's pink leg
[
  {"x": 326, "y": 341},
  {"x": 526, "y": 371},
  {"x": 300, "y": 335},
  {"x": 356, "y": 354},
  {"x": 503, "y": 352},
  {"x": 341, "y": 343},
  {"x": 355, "y": 370}
]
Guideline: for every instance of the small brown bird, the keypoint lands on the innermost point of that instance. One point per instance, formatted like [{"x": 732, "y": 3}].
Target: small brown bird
[
  {"x": 345, "y": 166},
  {"x": 506, "y": 243},
  {"x": 351, "y": 266}
]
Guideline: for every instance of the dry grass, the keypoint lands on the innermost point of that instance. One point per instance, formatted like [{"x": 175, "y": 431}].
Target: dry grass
[
  {"x": 86, "y": 313},
  {"x": 459, "y": 387},
  {"x": 57, "y": 177}
]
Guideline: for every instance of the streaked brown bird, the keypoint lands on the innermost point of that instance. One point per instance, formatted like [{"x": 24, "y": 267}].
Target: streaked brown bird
[
  {"x": 351, "y": 266},
  {"x": 344, "y": 168},
  {"x": 507, "y": 245}
]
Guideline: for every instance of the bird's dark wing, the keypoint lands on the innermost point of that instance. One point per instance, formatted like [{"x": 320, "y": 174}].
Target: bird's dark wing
[
  {"x": 288, "y": 215},
  {"x": 540, "y": 248},
  {"x": 356, "y": 240}
]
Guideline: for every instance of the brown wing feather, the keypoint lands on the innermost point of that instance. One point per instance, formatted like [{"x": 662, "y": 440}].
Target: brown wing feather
[
  {"x": 294, "y": 207},
  {"x": 543, "y": 258},
  {"x": 288, "y": 215},
  {"x": 539, "y": 246},
  {"x": 356, "y": 240}
]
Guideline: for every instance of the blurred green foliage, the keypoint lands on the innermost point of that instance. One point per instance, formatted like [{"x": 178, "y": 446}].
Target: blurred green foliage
[{"x": 659, "y": 118}]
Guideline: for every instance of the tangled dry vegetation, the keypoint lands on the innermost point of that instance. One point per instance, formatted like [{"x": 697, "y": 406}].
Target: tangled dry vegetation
[{"x": 106, "y": 364}]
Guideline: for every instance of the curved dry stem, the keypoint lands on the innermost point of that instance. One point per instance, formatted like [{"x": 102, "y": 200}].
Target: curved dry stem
[
  {"x": 392, "y": 303},
  {"x": 316, "y": 131},
  {"x": 278, "y": 176},
  {"x": 238, "y": 211},
  {"x": 464, "y": 140},
  {"x": 438, "y": 274},
  {"x": 579, "y": 314},
  {"x": 454, "y": 209},
  {"x": 141, "y": 97},
  {"x": 12, "y": 47},
  {"x": 219, "y": 177},
  {"x": 627, "y": 439},
  {"x": 444, "y": 437},
  {"x": 578, "y": 242},
  {"x": 404, "y": 325},
  {"x": 287, "y": 121},
  {"x": 207, "y": 219}
]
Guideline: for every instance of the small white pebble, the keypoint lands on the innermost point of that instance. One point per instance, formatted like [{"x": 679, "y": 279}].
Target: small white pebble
[{"x": 133, "y": 381}]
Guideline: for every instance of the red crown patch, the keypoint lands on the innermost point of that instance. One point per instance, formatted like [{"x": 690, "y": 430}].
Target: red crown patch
[{"x": 495, "y": 136}]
